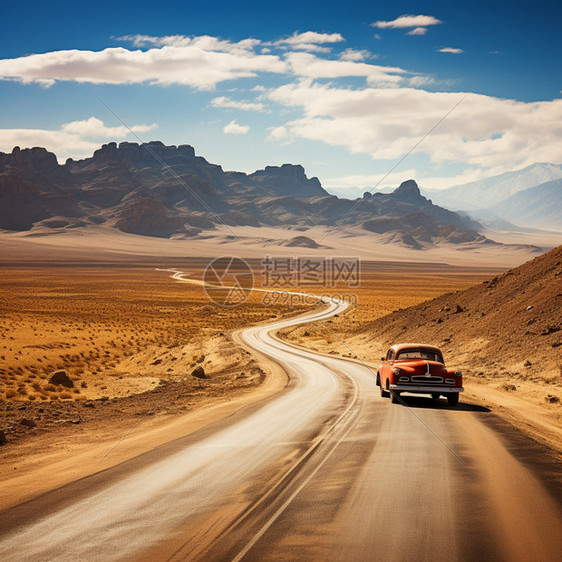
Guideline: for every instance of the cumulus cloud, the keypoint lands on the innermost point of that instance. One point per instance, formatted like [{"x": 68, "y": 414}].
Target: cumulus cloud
[
  {"x": 417, "y": 31},
  {"x": 201, "y": 63},
  {"x": 280, "y": 134},
  {"x": 420, "y": 81},
  {"x": 453, "y": 50},
  {"x": 406, "y": 21},
  {"x": 76, "y": 139},
  {"x": 355, "y": 55},
  {"x": 205, "y": 42},
  {"x": 234, "y": 128},
  {"x": 310, "y": 41},
  {"x": 228, "y": 103},
  {"x": 308, "y": 65},
  {"x": 484, "y": 131}
]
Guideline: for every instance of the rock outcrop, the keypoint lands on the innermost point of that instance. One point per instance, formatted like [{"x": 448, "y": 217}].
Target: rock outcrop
[{"x": 168, "y": 191}]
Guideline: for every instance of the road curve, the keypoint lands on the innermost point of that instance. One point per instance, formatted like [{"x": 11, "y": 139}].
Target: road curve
[{"x": 325, "y": 470}]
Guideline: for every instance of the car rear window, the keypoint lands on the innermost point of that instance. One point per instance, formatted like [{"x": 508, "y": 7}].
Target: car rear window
[{"x": 426, "y": 354}]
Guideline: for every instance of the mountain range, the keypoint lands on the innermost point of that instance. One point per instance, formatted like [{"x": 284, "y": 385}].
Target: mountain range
[
  {"x": 168, "y": 191},
  {"x": 490, "y": 192},
  {"x": 528, "y": 198},
  {"x": 539, "y": 206}
]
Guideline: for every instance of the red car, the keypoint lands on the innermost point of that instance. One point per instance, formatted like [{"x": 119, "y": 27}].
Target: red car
[{"x": 420, "y": 369}]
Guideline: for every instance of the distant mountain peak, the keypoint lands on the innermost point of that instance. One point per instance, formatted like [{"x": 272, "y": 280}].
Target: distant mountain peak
[
  {"x": 32, "y": 158},
  {"x": 495, "y": 197},
  {"x": 144, "y": 152},
  {"x": 408, "y": 191},
  {"x": 288, "y": 179}
]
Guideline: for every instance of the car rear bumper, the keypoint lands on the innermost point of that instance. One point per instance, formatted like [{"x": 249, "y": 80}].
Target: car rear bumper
[{"x": 425, "y": 389}]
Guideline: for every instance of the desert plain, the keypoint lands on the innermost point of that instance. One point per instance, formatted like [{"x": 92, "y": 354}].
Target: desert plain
[{"x": 147, "y": 357}]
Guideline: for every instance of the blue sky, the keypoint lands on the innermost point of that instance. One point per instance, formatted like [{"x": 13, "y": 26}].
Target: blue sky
[{"x": 344, "y": 89}]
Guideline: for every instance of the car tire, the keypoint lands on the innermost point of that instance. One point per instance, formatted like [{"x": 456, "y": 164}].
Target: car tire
[
  {"x": 384, "y": 393},
  {"x": 394, "y": 397},
  {"x": 453, "y": 399},
  {"x": 435, "y": 395}
]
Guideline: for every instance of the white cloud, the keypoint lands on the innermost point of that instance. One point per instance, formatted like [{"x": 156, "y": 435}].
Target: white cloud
[
  {"x": 417, "y": 31},
  {"x": 228, "y": 103},
  {"x": 200, "y": 62},
  {"x": 407, "y": 20},
  {"x": 420, "y": 81},
  {"x": 205, "y": 42},
  {"x": 310, "y": 41},
  {"x": 453, "y": 50},
  {"x": 310, "y": 66},
  {"x": 76, "y": 139},
  {"x": 234, "y": 128},
  {"x": 483, "y": 131},
  {"x": 355, "y": 55},
  {"x": 280, "y": 134}
]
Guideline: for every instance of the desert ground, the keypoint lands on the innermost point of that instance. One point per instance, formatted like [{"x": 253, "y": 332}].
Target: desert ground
[
  {"x": 130, "y": 339},
  {"x": 254, "y": 242}
]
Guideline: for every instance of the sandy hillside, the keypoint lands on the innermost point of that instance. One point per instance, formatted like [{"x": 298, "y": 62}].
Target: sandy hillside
[{"x": 509, "y": 325}]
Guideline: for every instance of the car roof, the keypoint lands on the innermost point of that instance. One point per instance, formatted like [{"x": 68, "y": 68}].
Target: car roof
[{"x": 400, "y": 346}]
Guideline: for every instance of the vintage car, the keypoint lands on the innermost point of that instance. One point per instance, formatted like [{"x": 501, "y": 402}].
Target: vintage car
[{"x": 420, "y": 369}]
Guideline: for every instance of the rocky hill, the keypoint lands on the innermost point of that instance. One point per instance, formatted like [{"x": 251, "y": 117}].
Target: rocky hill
[
  {"x": 509, "y": 326},
  {"x": 168, "y": 191}
]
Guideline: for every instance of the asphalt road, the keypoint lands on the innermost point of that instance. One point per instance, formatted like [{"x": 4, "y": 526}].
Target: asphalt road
[{"x": 325, "y": 470}]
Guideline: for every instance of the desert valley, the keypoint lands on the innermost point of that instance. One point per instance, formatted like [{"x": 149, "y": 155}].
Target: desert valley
[
  {"x": 93, "y": 298},
  {"x": 317, "y": 317}
]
